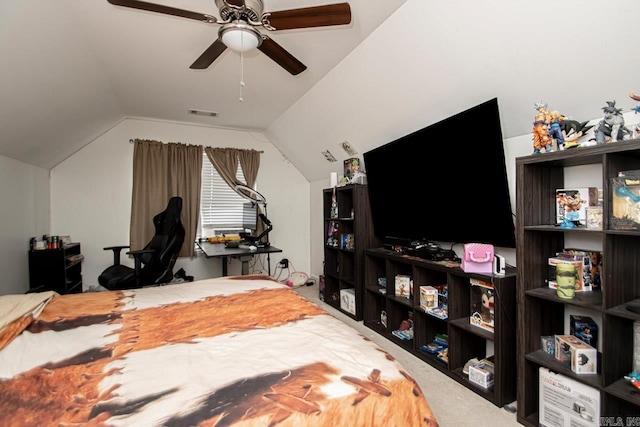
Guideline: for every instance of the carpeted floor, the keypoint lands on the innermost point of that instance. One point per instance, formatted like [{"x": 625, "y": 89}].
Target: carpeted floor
[{"x": 453, "y": 404}]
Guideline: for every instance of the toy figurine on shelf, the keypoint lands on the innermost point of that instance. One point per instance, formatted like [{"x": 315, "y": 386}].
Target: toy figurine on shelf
[
  {"x": 634, "y": 379},
  {"x": 332, "y": 235},
  {"x": 611, "y": 128},
  {"x": 572, "y": 205},
  {"x": 541, "y": 137},
  {"x": 572, "y": 131},
  {"x": 632, "y": 201},
  {"x": 334, "y": 205},
  {"x": 487, "y": 305},
  {"x": 551, "y": 126},
  {"x": 636, "y": 128},
  {"x": 555, "y": 130}
]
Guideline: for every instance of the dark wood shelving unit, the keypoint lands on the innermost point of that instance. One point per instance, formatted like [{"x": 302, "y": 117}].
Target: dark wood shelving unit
[
  {"x": 343, "y": 267},
  {"x": 57, "y": 269},
  {"x": 466, "y": 341},
  {"x": 541, "y": 312}
]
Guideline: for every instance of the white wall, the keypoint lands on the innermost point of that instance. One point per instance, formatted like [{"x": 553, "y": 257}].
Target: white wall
[
  {"x": 24, "y": 213},
  {"x": 513, "y": 148},
  {"x": 91, "y": 195},
  {"x": 317, "y": 227}
]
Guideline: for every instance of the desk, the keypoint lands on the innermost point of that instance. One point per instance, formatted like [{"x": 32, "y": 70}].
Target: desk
[{"x": 219, "y": 250}]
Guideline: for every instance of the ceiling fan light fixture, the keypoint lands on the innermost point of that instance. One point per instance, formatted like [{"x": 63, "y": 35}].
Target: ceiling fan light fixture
[{"x": 240, "y": 37}]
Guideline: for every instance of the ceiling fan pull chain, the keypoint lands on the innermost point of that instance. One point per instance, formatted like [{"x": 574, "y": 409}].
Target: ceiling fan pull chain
[{"x": 241, "y": 66}]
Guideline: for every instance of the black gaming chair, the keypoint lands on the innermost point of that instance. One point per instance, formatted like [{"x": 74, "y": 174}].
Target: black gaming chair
[{"x": 154, "y": 263}]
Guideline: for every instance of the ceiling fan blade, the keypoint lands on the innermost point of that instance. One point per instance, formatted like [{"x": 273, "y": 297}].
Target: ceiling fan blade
[
  {"x": 209, "y": 55},
  {"x": 281, "y": 57},
  {"x": 316, "y": 16},
  {"x": 152, "y": 7}
]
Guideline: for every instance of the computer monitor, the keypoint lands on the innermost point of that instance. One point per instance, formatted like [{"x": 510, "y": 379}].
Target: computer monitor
[{"x": 250, "y": 216}]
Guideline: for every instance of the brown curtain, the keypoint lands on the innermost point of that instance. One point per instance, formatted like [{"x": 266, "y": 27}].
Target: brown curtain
[
  {"x": 226, "y": 161},
  {"x": 162, "y": 171},
  {"x": 250, "y": 163}
]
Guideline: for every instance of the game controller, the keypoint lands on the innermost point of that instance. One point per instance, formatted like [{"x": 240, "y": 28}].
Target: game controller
[
  {"x": 433, "y": 247},
  {"x": 428, "y": 246}
]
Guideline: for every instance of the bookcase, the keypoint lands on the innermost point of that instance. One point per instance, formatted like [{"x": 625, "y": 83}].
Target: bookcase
[
  {"x": 542, "y": 313},
  {"x": 465, "y": 341},
  {"x": 348, "y": 231},
  {"x": 57, "y": 269}
]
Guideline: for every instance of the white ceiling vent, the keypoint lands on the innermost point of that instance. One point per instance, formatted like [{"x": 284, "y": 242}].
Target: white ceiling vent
[{"x": 203, "y": 113}]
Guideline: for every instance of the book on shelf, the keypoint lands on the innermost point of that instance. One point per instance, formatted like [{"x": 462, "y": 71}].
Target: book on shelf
[{"x": 72, "y": 259}]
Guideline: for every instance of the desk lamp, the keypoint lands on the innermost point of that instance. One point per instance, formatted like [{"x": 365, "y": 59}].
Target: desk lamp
[{"x": 255, "y": 197}]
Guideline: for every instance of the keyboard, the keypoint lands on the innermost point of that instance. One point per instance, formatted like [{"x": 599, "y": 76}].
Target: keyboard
[{"x": 240, "y": 244}]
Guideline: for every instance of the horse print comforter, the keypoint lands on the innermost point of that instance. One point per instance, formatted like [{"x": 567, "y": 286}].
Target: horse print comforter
[{"x": 233, "y": 351}]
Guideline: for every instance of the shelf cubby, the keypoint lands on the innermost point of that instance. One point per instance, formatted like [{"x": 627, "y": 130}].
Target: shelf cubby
[
  {"x": 465, "y": 341},
  {"x": 541, "y": 312}
]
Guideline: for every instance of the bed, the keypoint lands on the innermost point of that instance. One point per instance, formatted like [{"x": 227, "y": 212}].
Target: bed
[{"x": 231, "y": 351}]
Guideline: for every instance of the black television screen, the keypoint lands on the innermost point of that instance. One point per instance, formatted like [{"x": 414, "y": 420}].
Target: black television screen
[{"x": 444, "y": 183}]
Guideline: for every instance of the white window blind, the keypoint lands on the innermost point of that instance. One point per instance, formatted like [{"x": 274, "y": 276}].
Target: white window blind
[{"x": 220, "y": 205}]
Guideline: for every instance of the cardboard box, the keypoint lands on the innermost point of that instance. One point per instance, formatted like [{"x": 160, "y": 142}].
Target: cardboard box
[
  {"x": 581, "y": 356},
  {"x": 625, "y": 202},
  {"x": 571, "y": 203},
  {"x": 348, "y": 300},
  {"x": 585, "y": 328},
  {"x": 481, "y": 373},
  {"x": 482, "y": 301},
  {"x": 428, "y": 297},
  {"x": 548, "y": 344},
  {"x": 565, "y": 402},
  {"x": 595, "y": 217},
  {"x": 434, "y": 301},
  {"x": 443, "y": 295},
  {"x": 403, "y": 286}
]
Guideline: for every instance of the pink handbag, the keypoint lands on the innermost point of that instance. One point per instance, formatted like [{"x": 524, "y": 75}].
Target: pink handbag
[{"x": 478, "y": 258}]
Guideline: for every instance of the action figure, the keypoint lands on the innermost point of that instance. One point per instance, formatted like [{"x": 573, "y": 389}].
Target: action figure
[
  {"x": 555, "y": 130},
  {"x": 334, "y": 205},
  {"x": 547, "y": 127},
  {"x": 572, "y": 130},
  {"x": 541, "y": 137},
  {"x": 636, "y": 129},
  {"x": 571, "y": 204},
  {"x": 612, "y": 125}
]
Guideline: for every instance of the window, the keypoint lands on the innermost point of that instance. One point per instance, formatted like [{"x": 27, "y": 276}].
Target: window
[{"x": 220, "y": 206}]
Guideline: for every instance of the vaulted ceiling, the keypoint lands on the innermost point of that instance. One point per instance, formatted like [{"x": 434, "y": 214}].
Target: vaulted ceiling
[{"x": 73, "y": 69}]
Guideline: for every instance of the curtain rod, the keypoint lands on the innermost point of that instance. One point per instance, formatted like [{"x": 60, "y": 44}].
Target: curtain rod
[{"x": 131, "y": 141}]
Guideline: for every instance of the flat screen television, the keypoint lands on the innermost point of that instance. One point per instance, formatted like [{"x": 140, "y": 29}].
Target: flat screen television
[{"x": 444, "y": 183}]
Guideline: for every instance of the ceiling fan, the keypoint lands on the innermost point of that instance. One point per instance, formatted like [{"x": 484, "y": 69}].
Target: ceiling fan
[{"x": 239, "y": 19}]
